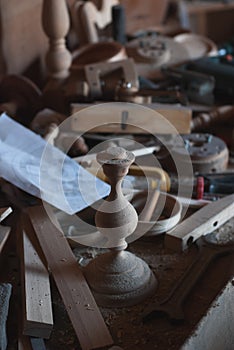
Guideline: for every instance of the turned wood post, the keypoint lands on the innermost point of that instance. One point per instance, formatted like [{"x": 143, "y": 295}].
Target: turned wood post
[{"x": 56, "y": 23}]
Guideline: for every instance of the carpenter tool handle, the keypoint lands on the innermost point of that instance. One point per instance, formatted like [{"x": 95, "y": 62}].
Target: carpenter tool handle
[{"x": 151, "y": 203}]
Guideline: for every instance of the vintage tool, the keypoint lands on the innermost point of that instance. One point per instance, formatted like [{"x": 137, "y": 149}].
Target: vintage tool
[
  {"x": 203, "y": 221},
  {"x": 118, "y": 278},
  {"x": 221, "y": 72},
  {"x": 119, "y": 24},
  {"x": 89, "y": 162},
  {"x": 198, "y": 87},
  {"x": 152, "y": 52},
  {"x": 206, "y": 119},
  {"x": 105, "y": 80},
  {"x": 209, "y": 248},
  {"x": 142, "y": 119},
  {"x": 207, "y": 153},
  {"x": 20, "y": 98},
  {"x": 115, "y": 81},
  {"x": 220, "y": 183}
]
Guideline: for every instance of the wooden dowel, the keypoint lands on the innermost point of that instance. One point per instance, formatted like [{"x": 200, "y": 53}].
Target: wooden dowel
[{"x": 151, "y": 203}]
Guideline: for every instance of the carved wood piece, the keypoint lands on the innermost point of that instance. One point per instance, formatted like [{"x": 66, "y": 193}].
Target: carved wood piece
[{"x": 55, "y": 21}]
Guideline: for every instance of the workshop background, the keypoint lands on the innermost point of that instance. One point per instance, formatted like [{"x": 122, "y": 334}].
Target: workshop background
[{"x": 159, "y": 78}]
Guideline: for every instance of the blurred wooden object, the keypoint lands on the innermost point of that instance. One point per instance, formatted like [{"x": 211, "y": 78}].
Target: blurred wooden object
[
  {"x": 88, "y": 18},
  {"x": 36, "y": 295},
  {"x": 22, "y": 41},
  {"x": 56, "y": 24},
  {"x": 142, "y": 118}
]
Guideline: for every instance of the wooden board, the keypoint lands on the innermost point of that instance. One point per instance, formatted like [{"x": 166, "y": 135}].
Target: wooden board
[
  {"x": 84, "y": 314},
  {"x": 204, "y": 221},
  {"x": 106, "y": 117},
  {"x": 4, "y": 234},
  {"x": 36, "y": 294}
]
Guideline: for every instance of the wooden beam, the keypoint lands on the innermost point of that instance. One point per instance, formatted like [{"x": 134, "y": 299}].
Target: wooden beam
[
  {"x": 36, "y": 294},
  {"x": 152, "y": 118},
  {"x": 84, "y": 314},
  {"x": 202, "y": 222}
]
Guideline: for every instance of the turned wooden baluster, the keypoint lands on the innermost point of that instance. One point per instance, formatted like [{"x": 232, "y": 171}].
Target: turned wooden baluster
[
  {"x": 56, "y": 23},
  {"x": 118, "y": 278}
]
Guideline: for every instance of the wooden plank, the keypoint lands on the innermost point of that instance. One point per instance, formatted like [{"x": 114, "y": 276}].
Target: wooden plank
[
  {"x": 84, "y": 314},
  {"x": 36, "y": 294},
  {"x": 106, "y": 117},
  {"x": 204, "y": 221},
  {"x": 4, "y": 234},
  {"x": 4, "y": 212}
]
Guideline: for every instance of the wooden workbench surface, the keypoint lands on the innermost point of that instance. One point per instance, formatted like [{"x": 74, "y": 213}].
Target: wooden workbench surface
[{"x": 125, "y": 324}]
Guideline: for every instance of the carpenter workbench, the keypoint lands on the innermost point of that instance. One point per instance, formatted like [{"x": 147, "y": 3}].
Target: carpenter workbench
[{"x": 209, "y": 308}]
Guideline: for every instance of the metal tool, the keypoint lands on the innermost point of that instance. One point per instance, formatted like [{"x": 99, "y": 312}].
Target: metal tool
[
  {"x": 220, "y": 183},
  {"x": 210, "y": 247},
  {"x": 208, "y": 153}
]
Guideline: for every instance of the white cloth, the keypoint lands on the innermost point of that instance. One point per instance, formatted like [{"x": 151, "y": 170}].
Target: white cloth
[{"x": 32, "y": 164}]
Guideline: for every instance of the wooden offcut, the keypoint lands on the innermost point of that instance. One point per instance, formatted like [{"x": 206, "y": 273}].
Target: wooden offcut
[
  {"x": 202, "y": 222},
  {"x": 152, "y": 118},
  {"x": 36, "y": 294},
  {"x": 84, "y": 314}
]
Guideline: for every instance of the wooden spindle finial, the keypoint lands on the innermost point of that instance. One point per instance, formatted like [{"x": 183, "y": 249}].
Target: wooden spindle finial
[
  {"x": 56, "y": 23},
  {"x": 118, "y": 278},
  {"x": 116, "y": 218}
]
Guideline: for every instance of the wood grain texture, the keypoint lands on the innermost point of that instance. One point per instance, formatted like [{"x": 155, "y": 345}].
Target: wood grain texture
[
  {"x": 204, "y": 221},
  {"x": 4, "y": 234},
  {"x": 36, "y": 294},
  {"x": 84, "y": 314},
  {"x": 141, "y": 118}
]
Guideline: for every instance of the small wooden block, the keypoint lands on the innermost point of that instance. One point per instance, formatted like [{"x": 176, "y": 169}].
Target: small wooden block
[
  {"x": 204, "y": 221},
  {"x": 153, "y": 119},
  {"x": 82, "y": 309}
]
